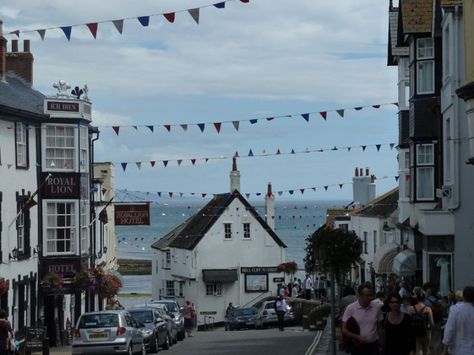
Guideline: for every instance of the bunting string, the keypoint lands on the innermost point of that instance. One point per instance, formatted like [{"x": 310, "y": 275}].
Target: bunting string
[
  {"x": 251, "y": 154},
  {"x": 119, "y": 23}
]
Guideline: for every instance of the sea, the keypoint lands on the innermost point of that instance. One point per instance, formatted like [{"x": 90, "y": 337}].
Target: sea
[{"x": 294, "y": 221}]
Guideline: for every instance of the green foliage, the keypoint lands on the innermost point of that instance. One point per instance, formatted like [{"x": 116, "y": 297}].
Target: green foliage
[{"x": 335, "y": 248}]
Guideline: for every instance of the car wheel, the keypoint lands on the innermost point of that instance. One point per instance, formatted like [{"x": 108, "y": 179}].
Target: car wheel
[{"x": 167, "y": 343}]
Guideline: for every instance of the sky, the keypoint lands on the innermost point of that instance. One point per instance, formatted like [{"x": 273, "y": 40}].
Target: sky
[{"x": 247, "y": 61}]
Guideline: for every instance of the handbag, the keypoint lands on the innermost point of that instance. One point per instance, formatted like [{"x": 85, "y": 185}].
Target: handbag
[{"x": 349, "y": 344}]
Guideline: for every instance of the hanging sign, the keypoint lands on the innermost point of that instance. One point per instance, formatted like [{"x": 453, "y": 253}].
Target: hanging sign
[
  {"x": 62, "y": 185},
  {"x": 132, "y": 214}
]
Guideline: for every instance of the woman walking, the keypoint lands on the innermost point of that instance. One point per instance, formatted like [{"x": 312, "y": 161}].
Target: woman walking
[
  {"x": 188, "y": 315},
  {"x": 399, "y": 338},
  {"x": 422, "y": 319}
]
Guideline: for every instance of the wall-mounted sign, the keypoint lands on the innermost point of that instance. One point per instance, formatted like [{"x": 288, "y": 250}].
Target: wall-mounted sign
[
  {"x": 66, "y": 268},
  {"x": 62, "y": 106},
  {"x": 256, "y": 282},
  {"x": 61, "y": 185},
  {"x": 278, "y": 279},
  {"x": 132, "y": 214},
  {"x": 67, "y": 108},
  {"x": 259, "y": 270},
  {"x": 207, "y": 313}
]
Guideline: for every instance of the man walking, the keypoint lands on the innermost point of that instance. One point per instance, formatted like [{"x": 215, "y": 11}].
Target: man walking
[
  {"x": 5, "y": 332},
  {"x": 308, "y": 286},
  {"x": 368, "y": 317},
  {"x": 281, "y": 307}
]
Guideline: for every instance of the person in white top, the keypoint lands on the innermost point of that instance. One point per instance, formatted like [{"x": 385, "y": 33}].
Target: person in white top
[
  {"x": 459, "y": 330},
  {"x": 308, "y": 287}
]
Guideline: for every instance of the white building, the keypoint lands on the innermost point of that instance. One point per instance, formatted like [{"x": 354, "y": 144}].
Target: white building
[{"x": 224, "y": 253}]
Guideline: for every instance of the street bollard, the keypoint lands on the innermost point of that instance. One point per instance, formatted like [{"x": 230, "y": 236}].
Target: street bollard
[{"x": 45, "y": 346}]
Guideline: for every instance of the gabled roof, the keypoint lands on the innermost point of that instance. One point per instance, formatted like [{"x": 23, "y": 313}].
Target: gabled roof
[
  {"x": 16, "y": 94},
  {"x": 382, "y": 206},
  {"x": 188, "y": 234}
]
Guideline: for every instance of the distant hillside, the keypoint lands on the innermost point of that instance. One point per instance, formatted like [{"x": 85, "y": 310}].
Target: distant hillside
[{"x": 134, "y": 267}]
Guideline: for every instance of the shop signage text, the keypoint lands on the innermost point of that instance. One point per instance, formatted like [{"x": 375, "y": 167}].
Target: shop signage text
[
  {"x": 62, "y": 185},
  {"x": 259, "y": 270},
  {"x": 132, "y": 215},
  {"x": 63, "y": 106}
]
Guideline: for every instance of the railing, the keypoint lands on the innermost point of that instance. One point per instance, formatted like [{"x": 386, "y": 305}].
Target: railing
[{"x": 258, "y": 298}]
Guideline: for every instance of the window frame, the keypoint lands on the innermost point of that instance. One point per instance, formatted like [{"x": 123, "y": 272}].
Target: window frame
[
  {"x": 83, "y": 149},
  {"x": 420, "y": 61},
  {"x": 72, "y": 157},
  {"x": 169, "y": 288},
  {"x": 246, "y": 228},
  {"x": 74, "y": 229},
  {"x": 422, "y": 163},
  {"x": 21, "y": 146},
  {"x": 214, "y": 289},
  {"x": 227, "y": 231}
]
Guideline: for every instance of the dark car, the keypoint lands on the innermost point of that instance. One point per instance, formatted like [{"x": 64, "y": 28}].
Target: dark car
[
  {"x": 241, "y": 318},
  {"x": 166, "y": 315},
  {"x": 155, "y": 329},
  {"x": 176, "y": 310}
]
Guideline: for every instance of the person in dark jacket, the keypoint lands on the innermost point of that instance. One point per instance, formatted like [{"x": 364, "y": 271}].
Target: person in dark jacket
[{"x": 399, "y": 338}]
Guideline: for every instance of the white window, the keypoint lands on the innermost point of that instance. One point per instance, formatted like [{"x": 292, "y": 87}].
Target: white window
[
  {"x": 84, "y": 151},
  {"x": 425, "y": 66},
  {"x": 181, "y": 289},
  {"x": 247, "y": 230},
  {"x": 228, "y": 230},
  {"x": 84, "y": 205},
  {"x": 425, "y": 154},
  {"x": 60, "y": 148},
  {"x": 20, "y": 231},
  {"x": 214, "y": 289},
  {"x": 21, "y": 142},
  {"x": 169, "y": 288},
  {"x": 407, "y": 160},
  {"x": 60, "y": 226},
  {"x": 167, "y": 264},
  {"x": 425, "y": 183}
]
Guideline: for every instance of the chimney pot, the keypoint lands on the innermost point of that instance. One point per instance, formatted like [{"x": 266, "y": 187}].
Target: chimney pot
[
  {"x": 1, "y": 28},
  {"x": 356, "y": 172},
  {"x": 14, "y": 46},
  {"x": 361, "y": 172},
  {"x": 366, "y": 171},
  {"x": 26, "y": 46},
  {"x": 269, "y": 189}
]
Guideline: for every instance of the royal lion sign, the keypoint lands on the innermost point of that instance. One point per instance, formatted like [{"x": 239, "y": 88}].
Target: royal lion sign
[{"x": 132, "y": 214}]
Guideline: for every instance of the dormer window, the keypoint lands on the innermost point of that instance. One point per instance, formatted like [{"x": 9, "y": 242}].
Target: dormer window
[{"x": 425, "y": 66}]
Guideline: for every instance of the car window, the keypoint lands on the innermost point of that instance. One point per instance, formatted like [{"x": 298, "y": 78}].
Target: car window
[
  {"x": 104, "y": 320},
  {"x": 145, "y": 316},
  {"x": 128, "y": 320},
  {"x": 270, "y": 305}
]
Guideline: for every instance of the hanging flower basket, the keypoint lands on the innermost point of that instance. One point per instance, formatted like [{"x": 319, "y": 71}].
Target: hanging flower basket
[
  {"x": 97, "y": 282},
  {"x": 289, "y": 267},
  {"x": 4, "y": 286},
  {"x": 81, "y": 279},
  {"x": 52, "y": 280}
]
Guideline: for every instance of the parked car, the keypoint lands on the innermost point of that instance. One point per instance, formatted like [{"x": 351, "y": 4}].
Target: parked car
[
  {"x": 108, "y": 331},
  {"x": 241, "y": 318},
  {"x": 155, "y": 332},
  {"x": 166, "y": 314},
  {"x": 266, "y": 315},
  {"x": 177, "y": 312}
]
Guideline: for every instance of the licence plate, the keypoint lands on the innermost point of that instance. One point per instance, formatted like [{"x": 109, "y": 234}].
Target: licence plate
[{"x": 98, "y": 335}]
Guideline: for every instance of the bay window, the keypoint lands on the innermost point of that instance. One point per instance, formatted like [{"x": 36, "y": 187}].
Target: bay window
[
  {"x": 84, "y": 151},
  {"x": 425, "y": 172},
  {"x": 60, "y": 227},
  {"x": 84, "y": 205},
  {"x": 425, "y": 65},
  {"x": 60, "y": 148}
]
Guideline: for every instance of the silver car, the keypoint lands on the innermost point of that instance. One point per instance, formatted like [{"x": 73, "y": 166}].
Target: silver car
[
  {"x": 176, "y": 311},
  {"x": 267, "y": 315},
  {"x": 115, "y": 332}
]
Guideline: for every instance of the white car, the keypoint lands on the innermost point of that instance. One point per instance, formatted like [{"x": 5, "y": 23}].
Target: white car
[{"x": 266, "y": 315}]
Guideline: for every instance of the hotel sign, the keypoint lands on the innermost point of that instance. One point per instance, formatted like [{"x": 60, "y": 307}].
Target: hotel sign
[
  {"x": 66, "y": 268},
  {"x": 132, "y": 214},
  {"x": 259, "y": 270},
  {"x": 62, "y": 106},
  {"x": 67, "y": 108},
  {"x": 62, "y": 185}
]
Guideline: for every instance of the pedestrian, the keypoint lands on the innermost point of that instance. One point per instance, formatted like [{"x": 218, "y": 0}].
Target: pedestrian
[
  {"x": 5, "y": 332},
  {"x": 368, "y": 318},
  {"x": 308, "y": 286},
  {"x": 229, "y": 309},
  {"x": 459, "y": 330},
  {"x": 398, "y": 338},
  {"x": 281, "y": 307},
  {"x": 295, "y": 291},
  {"x": 189, "y": 314},
  {"x": 422, "y": 319},
  {"x": 403, "y": 291}
]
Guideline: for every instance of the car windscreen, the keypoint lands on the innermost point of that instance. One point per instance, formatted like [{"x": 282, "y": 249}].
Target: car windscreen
[
  {"x": 171, "y": 306},
  {"x": 104, "y": 320},
  {"x": 244, "y": 312},
  {"x": 145, "y": 316}
]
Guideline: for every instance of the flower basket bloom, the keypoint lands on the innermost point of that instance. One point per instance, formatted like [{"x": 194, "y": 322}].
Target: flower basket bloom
[
  {"x": 81, "y": 279},
  {"x": 289, "y": 267},
  {"x": 52, "y": 280},
  {"x": 4, "y": 285}
]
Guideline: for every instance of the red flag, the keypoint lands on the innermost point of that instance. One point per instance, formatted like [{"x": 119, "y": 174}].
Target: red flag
[
  {"x": 169, "y": 16},
  {"x": 16, "y": 32},
  {"x": 104, "y": 190},
  {"x": 217, "y": 125},
  {"x": 116, "y": 129},
  {"x": 324, "y": 114},
  {"x": 93, "y": 28}
]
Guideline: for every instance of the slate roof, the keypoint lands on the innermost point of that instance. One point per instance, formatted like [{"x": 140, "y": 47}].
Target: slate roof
[
  {"x": 382, "y": 206},
  {"x": 393, "y": 49},
  {"x": 188, "y": 234},
  {"x": 16, "y": 94}
]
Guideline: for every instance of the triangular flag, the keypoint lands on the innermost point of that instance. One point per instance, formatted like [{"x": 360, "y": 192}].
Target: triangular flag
[
  {"x": 202, "y": 126},
  {"x": 305, "y": 116},
  {"x": 236, "y": 155},
  {"x": 220, "y": 5},
  {"x": 104, "y": 190},
  {"x": 184, "y": 127},
  {"x": 118, "y": 25},
  {"x": 217, "y": 125},
  {"x": 245, "y": 1},
  {"x": 348, "y": 149},
  {"x": 203, "y": 194},
  {"x": 378, "y": 147},
  {"x": 179, "y": 161},
  {"x": 41, "y": 33},
  {"x": 168, "y": 127},
  {"x": 258, "y": 193},
  {"x": 280, "y": 193},
  {"x": 139, "y": 165},
  {"x": 397, "y": 177},
  {"x": 376, "y": 106},
  {"x": 291, "y": 192},
  {"x": 152, "y": 163},
  {"x": 169, "y": 16},
  {"x": 247, "y": 195},
  {"x": 170, "y": 194},
  {"x": 67, "y": 32},
  {"x": 292, "y": 151},
  {"x": 193, "y": 161},
  {"x": 324, "y": 114},
  {"x": 144, "y": 20},
  {"x": 165, "y": 163},
  {"x": 206, "y": 159},
  {"x": 396, "y": 104},
  {"x": 9, "y": 166},
  {"x": 159, "y": 194},
  {"x": 124, "y": 166},
  {"x": 250, "y": 153},
  {"x": 335, "y": 148},
  {"x": 392, "y": 145},
  {"x": 253, "y": 121},
  {"x": 93, "y": 28},
  {"x": 340, "y": 113},
  {"x": 236, "y": 125},
  {"x": 278, "y": 151},
  {"x": 16, "y": 32},
  {"x": 181, "y": 194},
  {"x": 340, "y": 186},
  {"x": 151, "y": 128},
  {"x": 194, "y": 14},
  {"x": 314, "y": 189},
  {"x": 270, "y": 118},
  {"x": 326, "y": 188},
  {"x": 358, "y": 108},
  {"x": 116, "y": 129},
  {"x": 136, "y": 128},
  {"x": 302, "y": 191}
]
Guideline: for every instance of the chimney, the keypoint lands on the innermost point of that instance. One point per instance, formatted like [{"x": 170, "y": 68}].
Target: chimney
[
  {"x": 363, "y": 187},
  {"x": 3, "y": 54},
  {"x": 356, "y": 172},
  {"x": 21, "y": 63},
  {"x": 234, "y": 177},
  {"x": 270, "y": 207}
]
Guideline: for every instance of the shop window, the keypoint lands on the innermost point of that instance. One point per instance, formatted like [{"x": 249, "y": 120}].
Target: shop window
[{"x": 440, "y": 272}]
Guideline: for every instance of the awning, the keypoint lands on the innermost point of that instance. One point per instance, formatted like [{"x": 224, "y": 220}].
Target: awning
[
  {"x": 404, "y": 263},
  {"x": 383, "y": 258},
  {"x": 219, "y": 275}
]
